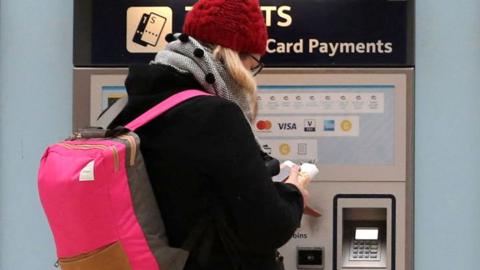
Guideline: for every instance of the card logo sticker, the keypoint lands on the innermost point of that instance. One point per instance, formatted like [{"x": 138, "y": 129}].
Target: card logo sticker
[
  {"x": 88, "y": 172},
  {"x": 287, "y": 126},
  {"x": 147, "y": 28},
  {"x": 346, "y": 125},
  {"x": 329, "y": 125},
  {"x": 264, "y": 125},
  {"x": 310, "y": 125}
]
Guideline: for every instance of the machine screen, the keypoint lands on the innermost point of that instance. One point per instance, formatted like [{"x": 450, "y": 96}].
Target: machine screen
[{"x": 366, "y": 234}]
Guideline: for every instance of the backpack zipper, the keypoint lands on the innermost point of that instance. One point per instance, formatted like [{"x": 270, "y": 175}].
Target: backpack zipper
[
  {"x": 133, "y": 147},
  {"x": 112, "y": 148}
]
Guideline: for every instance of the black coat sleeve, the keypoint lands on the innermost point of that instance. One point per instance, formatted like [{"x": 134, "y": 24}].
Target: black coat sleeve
[{"x": 263, "y": 214}]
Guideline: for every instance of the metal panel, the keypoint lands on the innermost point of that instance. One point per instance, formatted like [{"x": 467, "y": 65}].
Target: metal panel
[{"x": 82, "y": 89}]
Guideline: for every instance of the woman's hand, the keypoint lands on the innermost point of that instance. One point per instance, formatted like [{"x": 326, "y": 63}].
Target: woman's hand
[{"x": 293, "y": 179}]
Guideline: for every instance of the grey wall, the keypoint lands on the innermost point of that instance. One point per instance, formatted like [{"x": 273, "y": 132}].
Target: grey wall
[
  {"x": 35, "y": 110},
  {"x": 448, "y": 135}
]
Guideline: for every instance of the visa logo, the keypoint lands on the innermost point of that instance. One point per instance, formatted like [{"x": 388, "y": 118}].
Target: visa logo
[{"x": 287, "y": 126}]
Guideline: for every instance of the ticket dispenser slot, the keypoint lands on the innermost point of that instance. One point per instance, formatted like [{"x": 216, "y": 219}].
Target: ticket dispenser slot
[{"x": 364, "y": 233}]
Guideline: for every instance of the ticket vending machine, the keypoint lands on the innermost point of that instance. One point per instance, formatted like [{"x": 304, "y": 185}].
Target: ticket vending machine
[
  {"x": 341, "y": 97},
  {"x": 356, "y": 125}
]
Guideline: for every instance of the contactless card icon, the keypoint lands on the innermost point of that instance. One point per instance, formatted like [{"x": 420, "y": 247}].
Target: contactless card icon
[{"x": 147, "y": 28}]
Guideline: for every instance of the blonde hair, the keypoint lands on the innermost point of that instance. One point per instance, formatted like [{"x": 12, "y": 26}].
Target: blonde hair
[{"x": 244, "y": 78}]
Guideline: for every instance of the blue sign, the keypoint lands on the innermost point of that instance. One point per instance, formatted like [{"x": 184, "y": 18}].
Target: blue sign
[{"x": 303, "y": 33}]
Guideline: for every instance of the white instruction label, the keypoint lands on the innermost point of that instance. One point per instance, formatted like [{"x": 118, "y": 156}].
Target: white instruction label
[
  {"x": 88, "y": 172},
  {"x": 321, "y": 103}
]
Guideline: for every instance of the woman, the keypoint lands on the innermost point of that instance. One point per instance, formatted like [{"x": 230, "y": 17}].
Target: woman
[{"x": 202, "y": 157}]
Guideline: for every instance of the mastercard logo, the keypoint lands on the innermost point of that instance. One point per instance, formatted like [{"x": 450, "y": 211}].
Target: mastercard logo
[{"x": 264, "y": 125}]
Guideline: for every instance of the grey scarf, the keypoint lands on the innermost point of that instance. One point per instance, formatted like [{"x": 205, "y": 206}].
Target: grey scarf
[{"x": 188, "y": 55}]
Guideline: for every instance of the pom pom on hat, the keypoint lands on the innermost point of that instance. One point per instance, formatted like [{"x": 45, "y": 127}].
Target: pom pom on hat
[
  {"x": 170, "y": 37},
  {"x": 184, "y": 38},
  {"x": 235, "y": 24}
]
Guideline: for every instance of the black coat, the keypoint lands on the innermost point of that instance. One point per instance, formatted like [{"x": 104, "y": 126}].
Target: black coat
[{"x": 203, "y": 161}]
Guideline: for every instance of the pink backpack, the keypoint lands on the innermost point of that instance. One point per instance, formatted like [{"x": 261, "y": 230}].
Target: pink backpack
[{"x": 100, "y": 204}]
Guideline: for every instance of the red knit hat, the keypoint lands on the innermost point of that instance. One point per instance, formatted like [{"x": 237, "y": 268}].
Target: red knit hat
[{"x": 234, "y": 24}]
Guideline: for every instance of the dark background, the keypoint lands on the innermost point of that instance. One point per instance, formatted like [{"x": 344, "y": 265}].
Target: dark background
[{"x": 100, "y": 31}]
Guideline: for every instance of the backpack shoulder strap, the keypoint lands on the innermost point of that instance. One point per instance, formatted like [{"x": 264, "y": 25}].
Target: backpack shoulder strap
[{"x": 162, "y": 107}]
